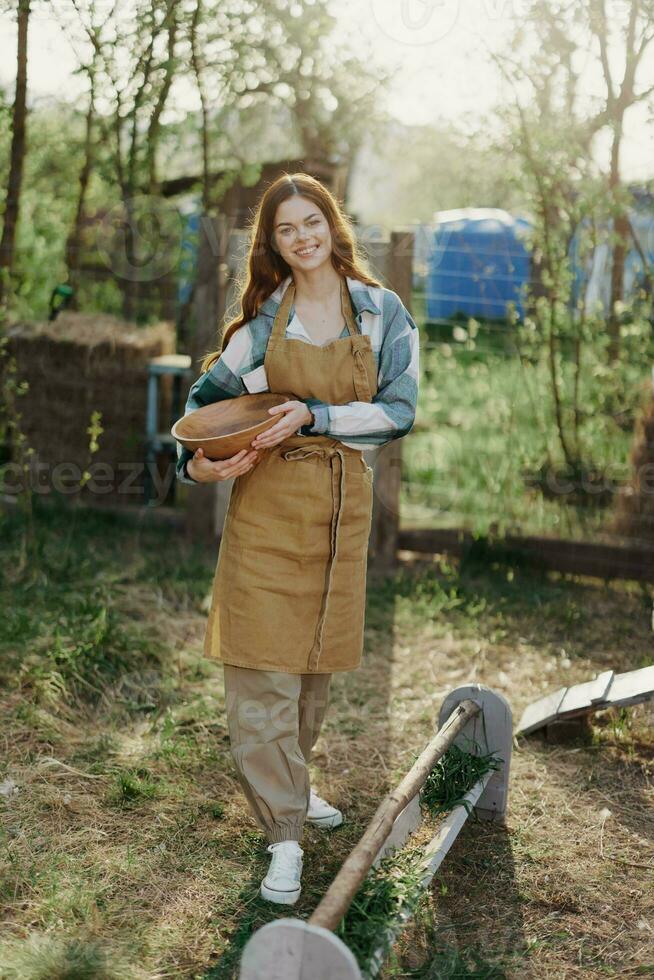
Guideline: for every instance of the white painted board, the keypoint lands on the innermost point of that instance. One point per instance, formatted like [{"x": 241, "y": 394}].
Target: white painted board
[
  {"x": 403, "y": 826},
  {"x": 606, "y": 690},
  {"x": 540, "y": 712},
  {"x": 601, "y": 686},
  {"x": 290, "y": 949},
  {"x": 632, "y": 687},
  {"x": 492, "y": 731}
]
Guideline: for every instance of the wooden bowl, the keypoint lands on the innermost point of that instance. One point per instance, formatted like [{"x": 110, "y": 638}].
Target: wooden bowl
[{"x": 223, "y": 428}]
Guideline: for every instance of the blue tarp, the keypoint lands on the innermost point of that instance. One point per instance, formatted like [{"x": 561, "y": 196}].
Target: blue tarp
[
  {"x": 592, "y": 275},
  {"x": 478, "y": 264}
]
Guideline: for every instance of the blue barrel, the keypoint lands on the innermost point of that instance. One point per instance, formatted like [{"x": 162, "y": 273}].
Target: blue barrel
[{"x": 478, "y": 264}]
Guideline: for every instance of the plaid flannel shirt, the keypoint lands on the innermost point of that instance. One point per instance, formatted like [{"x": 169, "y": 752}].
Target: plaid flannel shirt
[{"x": 381, "y": 315}]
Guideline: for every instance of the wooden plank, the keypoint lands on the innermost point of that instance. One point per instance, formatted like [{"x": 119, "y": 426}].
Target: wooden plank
[
  {"x": 437, "y": 849},
  {"x": 606, "y": 561},
  {"x": 587, "y": 695},
  {"x": 604, "y": 691},
  {"x": 632, "y": 687},
  {"x": 492, "y": 731},
  {"x": 170, "y": 362},
  {"x": 432, "y": 857},
  {"x": 340, "y": 893},
  {"x": 404, "y": 825},
  {"x": 602, "y": 684},
  {"x": 290, "y": 949},
  {"x": 541, "y": 712},
  {"x": 577, "y": 698}
]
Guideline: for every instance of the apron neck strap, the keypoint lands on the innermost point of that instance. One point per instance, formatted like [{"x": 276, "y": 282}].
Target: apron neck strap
[
  {"x": 281, "y": 317},
  {"x": 346, "y": 308}
]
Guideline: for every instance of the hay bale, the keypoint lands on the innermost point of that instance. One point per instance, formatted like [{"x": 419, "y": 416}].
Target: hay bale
[
  {"x": 634, "y": 511},
  {"x": 91, "y": 329},
  {"x": 83, "y": 363}
]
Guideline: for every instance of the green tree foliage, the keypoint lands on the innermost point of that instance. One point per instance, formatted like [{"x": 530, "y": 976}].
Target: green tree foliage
[
  {"x": 268, "y": 81},
  {"x": 11, "y": 209},
  {"x": 444, "y": 169},
  {"x": 571, "y": 198}
]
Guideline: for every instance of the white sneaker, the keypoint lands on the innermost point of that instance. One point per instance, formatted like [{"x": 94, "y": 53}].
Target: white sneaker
[
  {"x": 282, "y": 883},
  {"x": 323, "y": 814}
]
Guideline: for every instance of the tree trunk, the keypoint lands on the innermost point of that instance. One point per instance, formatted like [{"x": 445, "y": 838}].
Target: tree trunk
[
  {"x": 73, "y": 242},
  {"x": 131, "y": 286},
  {"x": 621, "y": 230},
  {"x": 196, "y": 64},
  {"x": 154, "y": 128},
  {"x": 207, "y": 293},
  {"x": 17, "y": 154}
]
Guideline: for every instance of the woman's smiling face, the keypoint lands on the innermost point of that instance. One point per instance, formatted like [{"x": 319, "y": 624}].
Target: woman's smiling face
[{"x": 302, "y": 233}]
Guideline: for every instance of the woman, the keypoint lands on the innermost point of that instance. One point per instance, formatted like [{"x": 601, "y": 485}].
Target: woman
[{"x": 289, "y": 589}]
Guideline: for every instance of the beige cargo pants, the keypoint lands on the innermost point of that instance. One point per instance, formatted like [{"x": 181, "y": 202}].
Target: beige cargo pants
[{"x": 274, "y": 720}]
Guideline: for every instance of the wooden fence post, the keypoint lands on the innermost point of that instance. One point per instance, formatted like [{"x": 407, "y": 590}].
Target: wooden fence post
[
  {"x": 207, "y": 304},
  {"x": 206, "y": 505},
  {"x": 387, "y": 461}
]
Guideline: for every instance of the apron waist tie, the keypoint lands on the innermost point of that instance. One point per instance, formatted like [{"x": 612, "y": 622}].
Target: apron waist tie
[{"x": 337, "y": 464}]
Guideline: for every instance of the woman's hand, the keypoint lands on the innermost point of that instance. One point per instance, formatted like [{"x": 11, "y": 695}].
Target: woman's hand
[
  {"x": 295, "y": 414},
  {"x": 209, "y": 471}
]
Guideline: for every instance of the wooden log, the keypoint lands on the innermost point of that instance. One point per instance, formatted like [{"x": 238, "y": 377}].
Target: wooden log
[
  {"x": 432, "y": 857},
  {"x": 606, "y": 561},
  {"x": 344, "y": 886},
  {"x": 384, "y": 530},
  {"x": 400, "y": 272}
]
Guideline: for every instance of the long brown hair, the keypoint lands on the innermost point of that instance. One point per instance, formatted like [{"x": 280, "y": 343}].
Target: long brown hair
[{"x": 266, "y": 269}]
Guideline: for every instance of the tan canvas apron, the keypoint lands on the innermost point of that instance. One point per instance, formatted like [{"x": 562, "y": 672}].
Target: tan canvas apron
[{"x": 290, "y": 581}]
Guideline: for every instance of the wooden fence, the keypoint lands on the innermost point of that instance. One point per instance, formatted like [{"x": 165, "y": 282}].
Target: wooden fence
[
  {"x": 596, "y": 559},
  {"x": 222, "y": 253}
]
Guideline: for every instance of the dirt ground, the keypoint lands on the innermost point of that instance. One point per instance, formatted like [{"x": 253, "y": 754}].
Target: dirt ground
[
  {"x": 564, "y": 887},
  {"x": 127, "y": 847}
]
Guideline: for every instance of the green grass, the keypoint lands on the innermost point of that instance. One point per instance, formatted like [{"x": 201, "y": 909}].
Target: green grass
[
  {"x": 45, "y": 958},
  {"x": 484, "y": 423},
  {"x": 390, "y": 888},
  {"x": 491, "y": 600},
  {"x": 72, "y": 623},
  {"x": 132, "y": 787},
  {"x": 394, "y": 886},
  {"x": 453, "y": 776}
]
